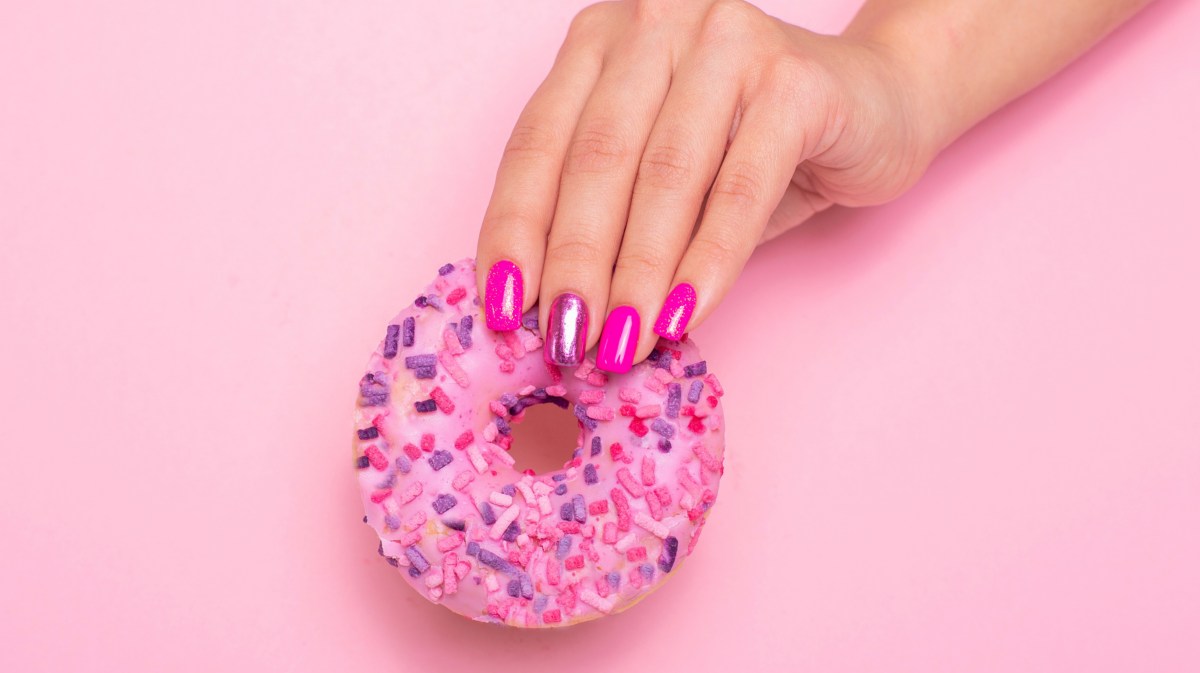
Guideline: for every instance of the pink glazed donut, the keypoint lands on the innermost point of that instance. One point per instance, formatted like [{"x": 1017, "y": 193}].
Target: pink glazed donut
[{"x": 469, "y": 531}]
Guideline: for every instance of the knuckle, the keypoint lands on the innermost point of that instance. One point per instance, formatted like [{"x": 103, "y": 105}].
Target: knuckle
[
  {"x": 575, "y": 250},
  {"x": 730, "y": 20},
  {"x": 529, "y": 141},
  {"x": 639, "y": 264},
  {"x": 716, "y": 248},
  {"x": 596, "y": 148},
  {"x": 795, "y": 77},
  {"x": 665, "y": 167},
  {"x": 589, "y": 20},
  {"x": 738, "y": 186},
  {"x": 510, "y": 223}
]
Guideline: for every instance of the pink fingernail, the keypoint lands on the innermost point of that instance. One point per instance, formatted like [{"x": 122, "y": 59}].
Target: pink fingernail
[
  {"x": 504, "y": 297},
  {"x": 618, "y": 341},
  {"x": 566, "y": 331},
  {"x": 676, "y": 311}
]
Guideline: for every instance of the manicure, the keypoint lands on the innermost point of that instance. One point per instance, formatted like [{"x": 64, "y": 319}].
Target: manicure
[
  {"x": 566, "y": 330},
  {"x": 618, "y": 341},
  {"x": 676, "y": 311},
  {"x": 504, "y": 296}
]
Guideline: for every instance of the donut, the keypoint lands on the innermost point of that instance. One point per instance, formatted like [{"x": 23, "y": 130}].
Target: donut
[{"x": 433, "y": 429}]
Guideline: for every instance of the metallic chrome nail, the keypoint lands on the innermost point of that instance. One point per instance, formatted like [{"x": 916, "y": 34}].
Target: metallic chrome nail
[{"x": 566, "y": 331}]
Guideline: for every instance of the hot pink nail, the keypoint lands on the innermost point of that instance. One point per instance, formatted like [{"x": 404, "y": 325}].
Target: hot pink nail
[
  {"x": 676, "y": 311},
  {"x": 504, "y": 297},
  {"x": 618, "y": 341}
]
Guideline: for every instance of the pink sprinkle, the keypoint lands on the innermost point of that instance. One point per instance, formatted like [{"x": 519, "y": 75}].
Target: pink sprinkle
[
  {"x": 617, "y": 452},
  {"x": 637, "y": 426},
  {"x": 498, "y": 409},
  {"x": 556, "y": 391},
  {"x": 656, "y": 508},
  {"x": 645, "y": 521},
  {"x": 593, "y": 599},
  {"x": 631, "y": 395},
  {"x": 574, "y": 562},
  {"x": 552, "y": 571},
  {"x": 676, "y": 369},
  {"x": 452, "y": 343},
  {"x": 696, "y": 425},
  {"x": 518, "y": 348},
  {"x": 569, "y": 526},
  {"x": 663, "y": 494},
  {"x": 427, "y": 441},
  {"x": 411, "y": 493},
  {"x": 464, "y": 439},
  {"x": 589, "y": 530},
  {"x": 449, "y": 571},
  {"x": 376, "y": 457},
  {"x": 415, "y": 521},
  {"x": 456, "y": 372},
  {"x": 551, "y": 617},
  {"x": 648, "y": 411},
  {"x": 584, "y": 368},
  {"x": 555, "y": 372},
  {"x": 622, "y": 505},
  {"x": 379, "y": 496},
  {"x": 635, "y": 554},
  {"x": 507, "y": 367},
  {"x": 504, "y": 352},
  {"x": 461, "y": 480},
  {"x": 626, "y": 478},
  {"x": 713, "y": 383},
  {"x": 635, "y": 578},
  {"x": 602, "y": 587},
  {"x": 628, "y": 410},
  {"x": 654, "y": 385},
  {"x": 598, "y": 507},
  {"x": 663, "y": 375},
  {"x": 591, "y": 397},
  {"x": 685, "y": 478},
  {"x": 610, "y": 532},
  {"x": 532, "y": 343},
  {"x": 708, "y": 460},
  {"x": 455, "y": 296},
  {"x": 448, "y": 542},
  {"x": 500, "y": 454},
  {"x": 601, "y": 413},
  {"x": 597, "y": 378},
  {"x": 409, "y": 539},
  {"x": 442, "y": 399},
  {"x": 647, "y": 470}
]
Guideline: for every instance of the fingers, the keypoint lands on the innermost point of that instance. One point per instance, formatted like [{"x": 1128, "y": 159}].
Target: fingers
[
  {"x": 512, "y": 240},
  {"x": 681, "y": 158},
  {"x": 593, "y": 199},
  {"x": 753, "y": 178}
]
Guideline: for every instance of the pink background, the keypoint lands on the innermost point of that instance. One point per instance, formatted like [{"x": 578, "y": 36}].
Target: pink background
[{"x": 976, "y": 445}]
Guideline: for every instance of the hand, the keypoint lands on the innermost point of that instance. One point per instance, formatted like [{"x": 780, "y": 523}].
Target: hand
[{"x": 668, "y": 140}]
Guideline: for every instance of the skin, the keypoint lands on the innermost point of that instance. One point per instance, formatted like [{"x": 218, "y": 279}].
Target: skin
[{"x": 671, "y": 137}]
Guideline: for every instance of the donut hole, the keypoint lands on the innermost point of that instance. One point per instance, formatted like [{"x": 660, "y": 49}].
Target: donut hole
[{"x": 544, "y": 439}]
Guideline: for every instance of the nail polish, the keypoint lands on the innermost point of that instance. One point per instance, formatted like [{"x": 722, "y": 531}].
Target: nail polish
[
  {"x": 618, "y": 340},
  {"x": 566, "y": 330},
  {"x": 504, "y": 296},
  {"x": 676, "y": 311}
]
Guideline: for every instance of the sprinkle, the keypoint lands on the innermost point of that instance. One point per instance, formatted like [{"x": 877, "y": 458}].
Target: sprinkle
[
  {"x": 425, "y": 406},
  {"x": 589, "y": 474},
  {"x": 664, "y": 445},
  {"x": 464, "y": 439},
  {"x": 663, "y": 375},
  {"x": 449, "y": 571},
  {"x": 456, "y": 372},
  {"x": 647, "y": 571},
  {"x": 597, "y": 378},
  {"x": 494, "y": 560},
  {"x": 601, "y": 413},
  {"x": 591, "y": 396},
  {"x": 653, "y": 385},
  {"x": 696, "y": 369},
  {"x": 443, "y": 401},
  {"x": 597, "y": 507},
  {"x": 502, "y": 455},
  {"x": 440, "y": 459},
  {"x": 666, "y": 560},
  {"x": 654, "y": 527},
  {"x": 574, "y": 562},
  {"x": 551, "y": 617},
  {"x": 454, "y": 524},
  {"x": 500, "y": 499},
  {"x": 634, "y": 554},
  {"x": 561, "y": 489},
  {"x": 421, "y": 301},
  {"x": 656, "y": 507},
  {"x": 648, "y": 411},
  {"x": 511, "y": 533},
  {"x": 622, "y": 505},
  {"x": 708, "y": 460},
  {"x": 450, "y": 338},
  {"x": 544, "y": 506},
  {"x": 376, "y": 457},
  {"x": 593, "y": 599},
  {"x": 629, "y": 395},
  {"x": 556, "y": 391},
  {"x": 426, "y": 360},
  {"x": 610, "y": 532},
  {"x": 627, "y": 410},
  {"x": 696, "y": 425},
  {"x": 445, "y": 544},
  {"x": 489, "y": 516},
  {"x": 647, "y": 470},
  {"x": 435, "y": 301},
  {"x": 446, "y": 269},
  {"x": 584, "y": 369},
  {"x": 410, "y": 538},
  {"x": 563, "y": 548},
  {"x": 526, "y": 586},
  {"x": 362, "y": 462},
  {"x": 663, "y": 428},
  {"x": 625, "y": 543},
  {"x": 391, "y": 343},
  {"x": 455, "y": 296},
  {"x": 502, "y": 426},
  {"x": 464, "y": 331},
  {"x": 595, "y": 446},
  {"x": 713, "y": 383},
  {"x": 476, "y": 459},
  {"x": 673, "y": 400},
  {"x": 444, "y": 502},
  {"x": 566, "y": 511},
  {"x": 626, "y": 478},
  {"x": 411, "y": 493},
  {"x": 472, "y": 549},
  {"x": 580, "y": 508},
  {"x": 502, "y": 522},
  {"x": 409, "y": 335},
  {"x": 694, "y": 391},
  {"x": 425, "y": 372},
  {"x": 416, "y": 559}
]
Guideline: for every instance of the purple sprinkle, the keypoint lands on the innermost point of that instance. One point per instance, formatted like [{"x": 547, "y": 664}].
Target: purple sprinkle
[
  {"x": 564, "y": 547},
  {"x": 472, "y": 549},
  {"x": 580, "y": 508},
  {"x": 540, "y": 393},
  {"x": 663, "y": 428},
  {"x": 647, "y": 571},
  {"x": 614, "y": 579},
  {"x": 514, "y": 588},
  {"x": 403, "y": 464},
  {"x": 502, "y": 426},
  {"x": 664, "y": 445},
  {"x": 443, "y": 503},
  {"x": 464, "y": 331},
  {"x": 489, "y": 516},
  {"x": 421, "y": 302},
  {"x": 425, "y": 372},
  {"x": 362, "y": 463},
  {"x": 387, "y": 483},
  {"x": 440, "y": 459},
  {"x": 375, "y": 400},
  {"x": 540, "y": 604},
  {"x": 493, "y": 560},
  {"x": 416, "y": 559},
  {"x": 674, "y": 393},
  {"x": 559, "y": 477},
  {"x": 589, "y": 474},
  {"x": 511, "y": 533},
  {"x": 559, "y": 402},
  {"x": 391, "y": 343},
  {"x": 456, "y": 524},
  {"x": 526, "y": 586},
  {"x": 435, "y": 301},
  {"x": 413, "y": 572},
  {"x": 368, "y": 433},
  {"x": 508, "y": 399},
  {"x": 410, "y": 331},
  {"x": 696, "y": 369},
  {"x": 530, "y": 319},
  {"x": 392, "y": 521},
  {"x": 561, "y": 489},
  {"x": 663, "y": 362},
  {"x": 425, "y": 406},
  {"x": 580, "y": 412},
  {"x": 694, "y": 391},
  {"x": 446, "y": 269},
  {"x": 374, "y": 390},
  {"x": 596, "y": 446},
  {"x": 666, "y": 560},
  {"x": 425, "y": 360},
  {"x": 566, "y": 511},
  {"x": 653, "y": 356},
  {"x": 508, "y": 489}
]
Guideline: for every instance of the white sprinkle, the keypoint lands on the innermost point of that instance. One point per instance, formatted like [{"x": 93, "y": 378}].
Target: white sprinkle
[
  {"x": 593, "y": 599},
  {"x": 507, "y": 518},
  {"x": 500, "y": 499},
  {"x": 544, "y": 505},
  {"x": 434, "y": 579},
  {"x": 477, "y": 459},
  {"x": 492, "y": 585},
  {"x": 657, "y": 529},
  {"x": 625, "y": 543},
  {"x": 500, "y": 453}
]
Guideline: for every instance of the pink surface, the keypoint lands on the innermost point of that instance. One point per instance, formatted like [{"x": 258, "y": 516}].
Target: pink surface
[{"x": 985, "y": 453}]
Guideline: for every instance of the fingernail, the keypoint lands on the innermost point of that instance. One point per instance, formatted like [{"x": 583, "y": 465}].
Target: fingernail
[
  {"x": 676, "y": 311},
  {"x": 504, "y": 296},
  {"x": 567, "y": 330},
  {"x": 618, "y": 341}
]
